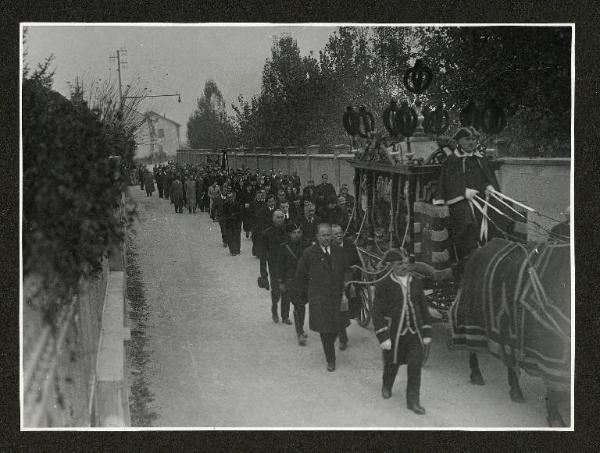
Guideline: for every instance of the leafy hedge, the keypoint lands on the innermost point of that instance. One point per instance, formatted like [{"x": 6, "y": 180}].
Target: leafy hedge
[{"x": 70, "y": 187}]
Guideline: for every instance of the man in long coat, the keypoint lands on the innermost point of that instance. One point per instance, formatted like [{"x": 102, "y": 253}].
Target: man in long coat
[
  {"x": 290, "y": 255},
  {"x": 402, "y": 326},
  {"x": 321, "y": 273},
  {"x": 351, "y": 258},
  {"x": 325, "y": 191},
  {"x": 190, "y": 190},
  {"x": 148, "y": 183},
  {"x": 232, "y": 221},
  {"x": 272, "y": 240},
  {"x": 177, "y": 195}
]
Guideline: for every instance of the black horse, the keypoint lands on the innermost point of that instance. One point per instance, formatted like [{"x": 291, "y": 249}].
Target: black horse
[{"x": 514, "y": 302}]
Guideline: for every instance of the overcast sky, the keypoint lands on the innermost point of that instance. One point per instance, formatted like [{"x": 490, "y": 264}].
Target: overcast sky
[{"x": 167, "y": 59}]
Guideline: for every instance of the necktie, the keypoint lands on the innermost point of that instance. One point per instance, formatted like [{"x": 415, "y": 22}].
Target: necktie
[{"x": 328, "y": 256}]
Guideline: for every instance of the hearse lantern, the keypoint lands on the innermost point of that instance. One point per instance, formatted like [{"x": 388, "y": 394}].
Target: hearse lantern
[
  {"x": 407, "y": 120},
  {"x": 390, "y": 118},
  {"x": 417, "y": 79}
]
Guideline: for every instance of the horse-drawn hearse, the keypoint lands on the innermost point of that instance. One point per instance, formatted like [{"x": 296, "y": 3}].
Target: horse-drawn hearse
[{"x": 513, "y": 299}]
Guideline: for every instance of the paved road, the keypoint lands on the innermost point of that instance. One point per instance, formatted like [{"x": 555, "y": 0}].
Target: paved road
[{"x": 216, "y": 359}]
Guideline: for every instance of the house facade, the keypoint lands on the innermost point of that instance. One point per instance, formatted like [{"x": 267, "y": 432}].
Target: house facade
[{"x": 157, "y": 137}]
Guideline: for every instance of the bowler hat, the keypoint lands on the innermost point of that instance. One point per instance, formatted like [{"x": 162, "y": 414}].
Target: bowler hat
[{"x": 394, "y": 255}]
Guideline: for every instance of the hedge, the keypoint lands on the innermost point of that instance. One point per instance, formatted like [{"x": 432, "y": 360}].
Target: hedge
[{"x": 70, "y": 187}]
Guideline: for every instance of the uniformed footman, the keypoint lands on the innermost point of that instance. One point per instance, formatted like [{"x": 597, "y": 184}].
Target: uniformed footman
[{"x": 402, "y": 326}]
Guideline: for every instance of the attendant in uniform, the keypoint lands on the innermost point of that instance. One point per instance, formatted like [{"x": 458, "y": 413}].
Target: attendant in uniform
[
  {"x": 401, "y": 322},
  {"x": 321, "y": 274},
  {"x": 290, "y": 255},
  {"x": 273, "y": 239},
  {"x": 465, "y": 174}
]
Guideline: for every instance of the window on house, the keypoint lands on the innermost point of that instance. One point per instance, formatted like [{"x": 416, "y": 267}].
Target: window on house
[{"x": 161, "y": 133}]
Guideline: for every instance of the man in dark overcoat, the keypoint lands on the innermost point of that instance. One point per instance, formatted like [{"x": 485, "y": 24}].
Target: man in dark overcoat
[
  {"x": 402, "y": 326},
  {"x": 321, "y": 274},
  {"x": 309, "y": 223},
  {"x": 247, "y": 197},
  {"x": 290, "y": 255},
  {"x": 159, "y": 181},
  {"x": 232, "y": 219},
  {"x": 177, "y": 195},
  {"x": 255, "y": 208},
  {"x": 218, "y": 205},
  {"x": 272, "y": 240},
  {"x": 148, "y": 183},
  {"x": 325, "y": 191},
  {"x": 351, "y": 259},
  {"x": 263, "y": 219}
]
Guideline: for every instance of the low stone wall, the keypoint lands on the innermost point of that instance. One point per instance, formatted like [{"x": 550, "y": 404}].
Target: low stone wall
[
  {"x": 541, "y": 183},
  {"x": 73, "y": 374}
]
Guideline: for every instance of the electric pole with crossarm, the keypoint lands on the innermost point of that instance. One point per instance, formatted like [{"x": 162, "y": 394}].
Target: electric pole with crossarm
[{"x": 120, "y": 53}]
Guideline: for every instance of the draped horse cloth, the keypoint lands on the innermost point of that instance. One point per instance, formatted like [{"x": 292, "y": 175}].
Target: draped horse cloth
[{"x": 515, "y": 302}]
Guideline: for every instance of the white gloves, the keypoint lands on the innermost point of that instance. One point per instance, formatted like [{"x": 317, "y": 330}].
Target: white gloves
[
  {"x": 489, "y": 189},
  {"x": 386, "y": 345},
  {"x": 470, "y": 193},
  {"x": 426, "y": 340}
]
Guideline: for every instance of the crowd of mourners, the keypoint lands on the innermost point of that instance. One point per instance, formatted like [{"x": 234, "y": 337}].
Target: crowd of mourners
[
  {"x": 300, "y": 239},
  {"x": 300, "y": 236}
]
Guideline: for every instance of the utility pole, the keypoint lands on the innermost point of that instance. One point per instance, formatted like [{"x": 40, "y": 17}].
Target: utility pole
[{"x": 120, "y": 52}]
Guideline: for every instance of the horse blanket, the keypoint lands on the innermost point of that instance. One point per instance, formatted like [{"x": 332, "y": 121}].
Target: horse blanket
[{"x": 515, "y": 303}]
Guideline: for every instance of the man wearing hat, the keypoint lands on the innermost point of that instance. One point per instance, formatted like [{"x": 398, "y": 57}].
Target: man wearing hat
[
  {"x": 401, "y": 322},
  {"x": 273, "y": 239},
  {"x": 290, "y": 255},
  {"x": 465, "y": 174}
]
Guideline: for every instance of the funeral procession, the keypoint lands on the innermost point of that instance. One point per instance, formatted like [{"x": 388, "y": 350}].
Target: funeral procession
[{"x": 297, "y": 227}]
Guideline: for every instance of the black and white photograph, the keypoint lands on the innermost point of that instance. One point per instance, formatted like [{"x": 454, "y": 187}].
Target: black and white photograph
[{"x": 310, "y": 226}]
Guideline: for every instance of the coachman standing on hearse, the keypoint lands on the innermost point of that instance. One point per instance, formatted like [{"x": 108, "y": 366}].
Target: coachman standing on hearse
[{"x": 465, "y": 174}]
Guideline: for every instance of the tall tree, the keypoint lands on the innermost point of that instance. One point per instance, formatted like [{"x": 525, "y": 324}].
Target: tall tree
[
  {"x": 525, "y": 69},
  {"x": 209, "y": 126}
]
